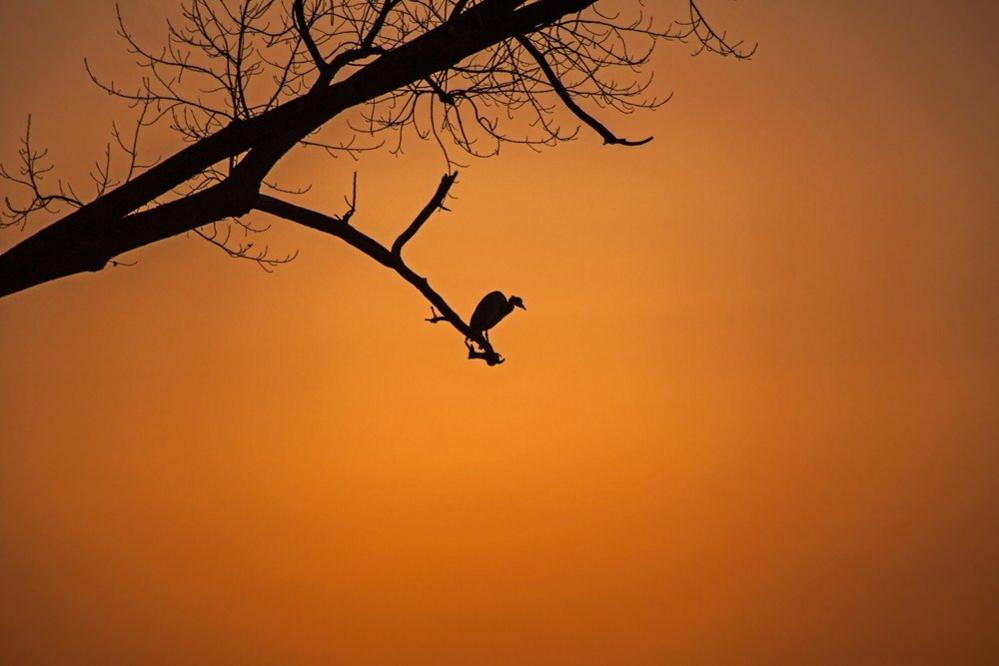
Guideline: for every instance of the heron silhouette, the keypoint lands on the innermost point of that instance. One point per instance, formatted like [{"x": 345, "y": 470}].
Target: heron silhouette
[{"x": 490, "y": 311}]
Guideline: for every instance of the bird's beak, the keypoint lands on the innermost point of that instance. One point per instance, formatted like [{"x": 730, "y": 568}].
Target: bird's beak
[{"x": 521, "y": 306}]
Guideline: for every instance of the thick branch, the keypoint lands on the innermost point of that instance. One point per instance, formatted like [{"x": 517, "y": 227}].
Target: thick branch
[
  {"x": 437, "y": 201},
  {"x": 68, "y": 254},
  {"x": 375, "y": 250},
  {"x": 78, "y": 241},
  {"x": 563, "y": 94}
]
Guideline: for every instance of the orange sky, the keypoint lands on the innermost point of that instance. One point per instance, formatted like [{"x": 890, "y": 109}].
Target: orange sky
[{"x": 750, "y": 415}]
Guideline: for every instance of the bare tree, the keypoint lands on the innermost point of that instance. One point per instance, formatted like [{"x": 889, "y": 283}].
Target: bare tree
[{"x": 244, "y": 83}]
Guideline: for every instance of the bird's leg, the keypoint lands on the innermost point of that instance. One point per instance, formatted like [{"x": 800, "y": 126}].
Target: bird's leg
[{"x": 485, "y": 334}]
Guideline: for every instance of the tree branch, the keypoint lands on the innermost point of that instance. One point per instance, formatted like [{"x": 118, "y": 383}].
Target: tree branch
[
  {"x": 379, "y": 21},
  {"x": 298, "y": 8},
  {"x": 85, "y": 239},
  {"x": 563, "y": 94},
  {"x": 367, "y": 46},
  {"x": 437, "y": 201},
  {"x": 375, "y": 250},
  {"x": 712, "y": 41}
]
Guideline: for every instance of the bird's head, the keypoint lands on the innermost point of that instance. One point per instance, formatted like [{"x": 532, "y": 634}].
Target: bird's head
[{"x": 516, "y": 302}]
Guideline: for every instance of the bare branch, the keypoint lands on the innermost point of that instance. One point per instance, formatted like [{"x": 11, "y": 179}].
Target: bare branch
[
  {"x": 29, "y": 175},
  {"x": 303, "y": 29},
  {"x": 434, "y": 317},
  {"x": 246, "y": 83},
  {"x": 373, "y": 249},
  {"x": 713, "y": 42},
  {"x": 436, "y": 201},
  {"x": 563, "y": 94}
]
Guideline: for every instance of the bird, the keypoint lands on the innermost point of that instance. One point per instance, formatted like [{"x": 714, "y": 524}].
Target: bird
[{"x": 490, "y": 311}]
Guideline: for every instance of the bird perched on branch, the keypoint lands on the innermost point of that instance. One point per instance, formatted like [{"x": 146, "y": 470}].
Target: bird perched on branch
[{"x": 491, "y": 310}]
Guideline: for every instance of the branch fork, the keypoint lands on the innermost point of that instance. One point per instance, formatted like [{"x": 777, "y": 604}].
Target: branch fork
[{"x": 476, "y": 343}]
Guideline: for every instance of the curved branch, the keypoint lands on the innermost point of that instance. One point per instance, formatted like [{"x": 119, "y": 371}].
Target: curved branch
[
  {"x": 298, "y": 7},
  {"x": 375, "y": 250},
  {"x": 85, "y": 239},
  {"x": 712, "y": 41},
  {"x": 560, "y": 90}
]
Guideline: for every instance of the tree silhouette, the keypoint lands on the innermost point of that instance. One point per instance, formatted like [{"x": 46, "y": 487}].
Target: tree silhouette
[{"x": 244, "y": 84}]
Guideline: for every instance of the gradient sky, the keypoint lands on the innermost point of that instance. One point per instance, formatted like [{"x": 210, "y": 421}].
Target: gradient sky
[{"x": 750, "y": 415}]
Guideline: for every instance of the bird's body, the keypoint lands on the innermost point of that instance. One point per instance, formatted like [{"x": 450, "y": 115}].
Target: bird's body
[{"x": 493, "y": 307}]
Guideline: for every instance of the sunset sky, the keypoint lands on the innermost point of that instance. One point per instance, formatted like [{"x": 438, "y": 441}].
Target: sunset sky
[{"x": 750, "y": 415}]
